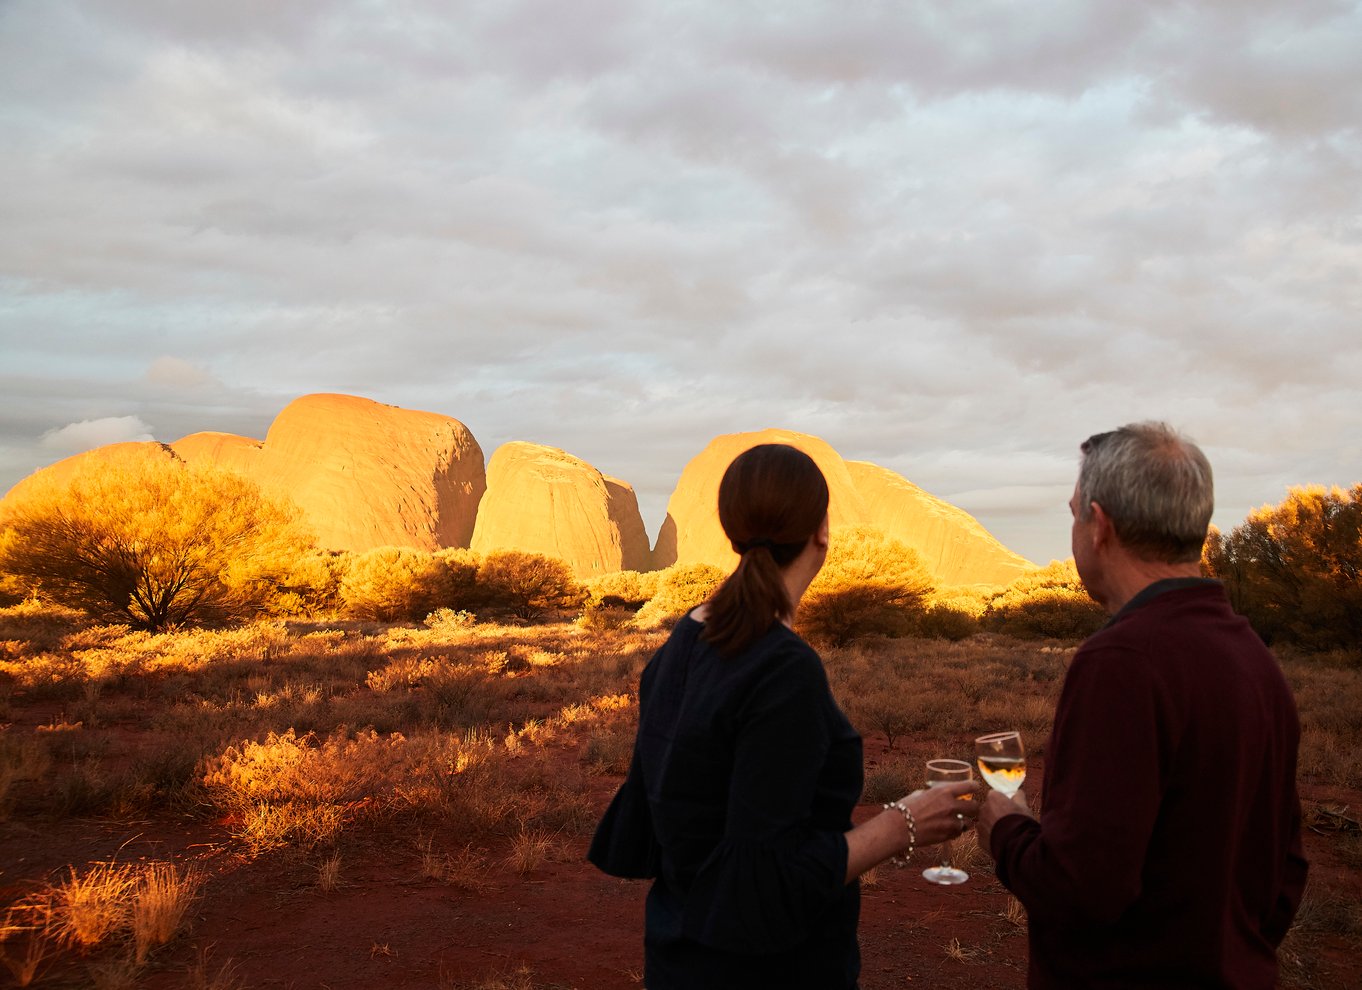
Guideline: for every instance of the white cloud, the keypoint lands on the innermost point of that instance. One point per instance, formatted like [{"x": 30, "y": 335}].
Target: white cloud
[{"x": 88, "y": 433}]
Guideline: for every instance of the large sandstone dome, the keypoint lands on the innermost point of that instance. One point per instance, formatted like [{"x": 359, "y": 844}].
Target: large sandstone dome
[
  {"x": 542, "y": 500},
  {"x": 954, "y": 547},
  {"x": 691, "y": 532},
  {"x": 364, "y": 474}
]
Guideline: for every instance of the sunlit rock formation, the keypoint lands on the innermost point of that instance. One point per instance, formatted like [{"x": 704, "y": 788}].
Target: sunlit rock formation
[
  {"x": 691, "y": 532},
  {"x": 542, "y": 500},
  {"x": 363, "y": 473},
  {"x": 954, "y": 547}
]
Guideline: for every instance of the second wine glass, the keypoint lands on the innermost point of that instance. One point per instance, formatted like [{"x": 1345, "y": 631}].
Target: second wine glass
[
  {"x": 1002, "y": 761},
  {"x": 946, "y": 772}
]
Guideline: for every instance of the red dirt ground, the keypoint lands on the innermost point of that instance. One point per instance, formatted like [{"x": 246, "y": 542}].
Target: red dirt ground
[{"x": 567, "y": 924}]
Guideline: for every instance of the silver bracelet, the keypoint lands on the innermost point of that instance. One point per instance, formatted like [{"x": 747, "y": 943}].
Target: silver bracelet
[{"x": 907, "y": 813}]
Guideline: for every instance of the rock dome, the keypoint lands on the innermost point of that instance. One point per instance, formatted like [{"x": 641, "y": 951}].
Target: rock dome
[
  {"x": 543, "y": 500},
  {"x": 954, "y": 547},
  {"x": 364, "y": 474}
]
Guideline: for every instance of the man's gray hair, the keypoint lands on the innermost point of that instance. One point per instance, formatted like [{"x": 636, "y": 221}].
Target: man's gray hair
[{"x": 1156, "y": 486}]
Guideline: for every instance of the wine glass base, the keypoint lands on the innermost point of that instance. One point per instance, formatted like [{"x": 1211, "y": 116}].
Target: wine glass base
[{"x": 944, "y": 875}]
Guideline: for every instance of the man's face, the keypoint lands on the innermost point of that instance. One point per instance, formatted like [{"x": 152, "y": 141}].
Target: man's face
[{"x": 1080, "y": 541}]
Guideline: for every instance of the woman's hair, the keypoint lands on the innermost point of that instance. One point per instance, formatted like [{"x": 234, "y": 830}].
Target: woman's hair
[
  {"x": 772, "y": 499},
  {"x": 1156, "y": 486}
]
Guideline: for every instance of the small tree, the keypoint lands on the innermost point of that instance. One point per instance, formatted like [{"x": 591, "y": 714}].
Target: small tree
[
  {"x": 870, "y": 584},
  {"x": 527, "y": 584},
  {"x": 153, "y": 544},
  {"x": 1295, "y": 569}
]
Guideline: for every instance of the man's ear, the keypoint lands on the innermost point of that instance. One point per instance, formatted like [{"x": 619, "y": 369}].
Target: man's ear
[{"x": 1103, "y": 529}]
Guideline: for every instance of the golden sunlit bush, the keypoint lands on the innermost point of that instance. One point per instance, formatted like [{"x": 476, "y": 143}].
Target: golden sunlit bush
[
  {"x": 871, "y": 584},
  {"x": 1046, "y": 603},
  {"x": 613, "y": 600},
  {"x": 628, "y": 589},
  {"x": 395, "y": 583},
  {"x": 527, "y": 584},
  {"x": 680, "y": 588},
  {"x": 1295, "y": 569},
  {"x": 153, "y": 544},
  {"x": 310, "y": 586}
]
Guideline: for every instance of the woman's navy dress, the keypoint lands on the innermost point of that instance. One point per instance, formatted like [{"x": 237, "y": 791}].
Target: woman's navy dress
[{"x": 737, "y": 803}]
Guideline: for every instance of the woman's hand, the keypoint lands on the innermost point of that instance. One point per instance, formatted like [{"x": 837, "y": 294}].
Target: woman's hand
[
  {"x": 943, "y": 812},
  {"x": 939, "y": 813}
]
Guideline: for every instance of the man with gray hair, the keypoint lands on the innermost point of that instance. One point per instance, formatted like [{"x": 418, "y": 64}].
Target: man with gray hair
[{"x": 1168, "y": 851}]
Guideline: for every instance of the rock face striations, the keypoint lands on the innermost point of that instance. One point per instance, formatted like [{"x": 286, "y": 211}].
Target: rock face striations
[
  {"x": 543, "y": 500},
  {"x": 954, "y": 547},
  {"x": 364, "y": 474}
]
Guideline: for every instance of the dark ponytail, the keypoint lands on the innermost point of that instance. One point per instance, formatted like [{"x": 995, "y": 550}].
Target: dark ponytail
[{"x": 772, "y": 499}]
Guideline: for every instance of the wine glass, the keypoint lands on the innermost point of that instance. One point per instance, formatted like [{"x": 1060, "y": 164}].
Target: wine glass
[
  {"x": 947, "y": 772},
  {"x": 1002, "y": 761}
]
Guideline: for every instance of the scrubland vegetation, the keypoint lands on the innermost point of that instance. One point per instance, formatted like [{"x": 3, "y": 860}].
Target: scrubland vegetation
[
  {"x": 294, "y": 704},
  {"x": 300, "y": 739}
]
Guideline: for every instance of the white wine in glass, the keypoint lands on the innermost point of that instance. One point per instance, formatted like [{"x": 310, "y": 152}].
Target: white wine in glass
[
  {"x": 947, "y": 772},
  {"x": 1002, "y": 761}
]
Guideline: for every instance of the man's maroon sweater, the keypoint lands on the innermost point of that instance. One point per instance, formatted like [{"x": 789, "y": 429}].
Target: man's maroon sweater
[{"x": 1168, "y": 849}]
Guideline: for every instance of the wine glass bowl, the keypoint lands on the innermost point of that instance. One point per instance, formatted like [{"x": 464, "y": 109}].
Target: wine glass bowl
[
  {"x": 1001, "y": 758},
  {"x": 947, "y": 772}
]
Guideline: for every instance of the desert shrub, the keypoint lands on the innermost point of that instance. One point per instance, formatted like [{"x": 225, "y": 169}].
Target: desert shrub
[
  {"x": 871, "y": 584},
  {"x": 460, "y": 583},
  {"x": 527, "y": 584},
  {"x": 603, "y": 616},
  {"x": 625, "y": 589},
  {"x": 310, "y": 585},
  {"x": 947, "y": 622},
  {"x": 680, "y": 588},
  {"x": 1049, "y": 602},
  {"x": 890, "y": 779},
  {"x": 447, "y": 620},
  {"x": 153, "y": 544},
  {"x": 1295, "y": 569},
  {"x": 391, "y": 584}
]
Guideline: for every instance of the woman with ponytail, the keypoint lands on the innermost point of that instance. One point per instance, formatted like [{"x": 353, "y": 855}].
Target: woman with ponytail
[{"x": 739, "y": 795}]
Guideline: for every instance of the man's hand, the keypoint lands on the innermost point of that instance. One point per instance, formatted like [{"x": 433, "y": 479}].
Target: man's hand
[{"x": 996, "y": 806}]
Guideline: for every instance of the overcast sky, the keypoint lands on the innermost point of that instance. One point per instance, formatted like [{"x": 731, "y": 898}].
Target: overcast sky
[{"x": 950, "y": 238}]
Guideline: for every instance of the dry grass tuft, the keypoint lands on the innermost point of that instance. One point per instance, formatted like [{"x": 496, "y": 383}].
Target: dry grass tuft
[
  {"x": 530, "y": 850},
  {"x": 88, "y": 908},
  {"x": 328, "y": 872},
  {"x": 203, "y": 975},
  {"x": 163, "y": 896}
]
